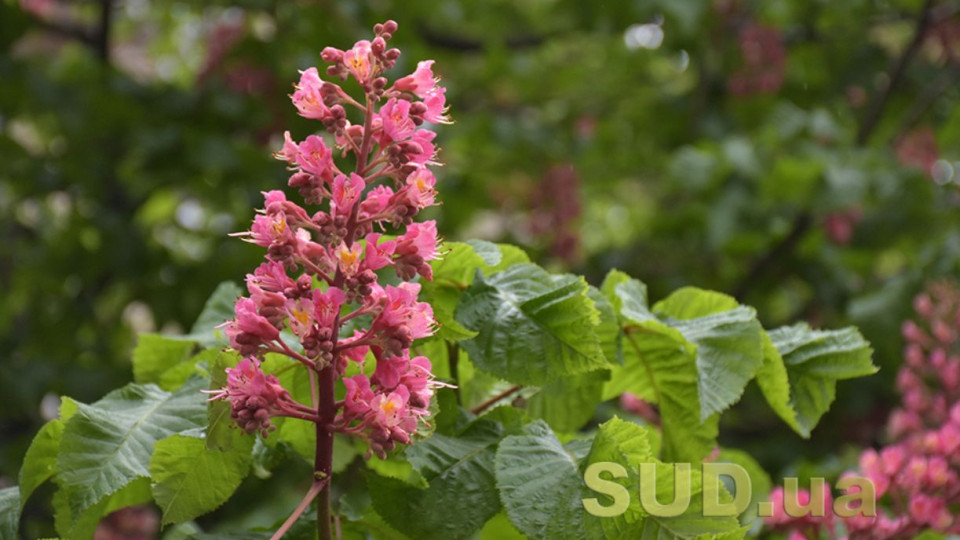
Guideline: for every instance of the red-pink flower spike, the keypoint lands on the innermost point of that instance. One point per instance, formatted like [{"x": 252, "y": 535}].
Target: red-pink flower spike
[
  {"x": 339, "y": 246},
  {"x": 919, "y": 472}
]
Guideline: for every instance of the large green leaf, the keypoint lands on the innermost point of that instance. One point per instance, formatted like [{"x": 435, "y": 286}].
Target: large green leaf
[
  {"x": 760, "y": 482},
  {"x": 659, "y": 365},
  {"x": 533, "y": 327},
  {"x": 692, "y": 355},
  {"x": 461, "y": 494},
  {"x": 540, "y": 485},
  {"x": 454, "y": 272},
  {"x": 108, "y": 444},
  {"x": 626, "y": 443},
  {"x": 801, "y": 369},
  {"x": 40, "y": 461},
  {"x": 569, "y": 402},
  {"x": 188, "y": 480},
  {"x": 222, "y": 433},
  {"x": 728, "y": 339},
  {"x": 542, "y": 488},
  {"x": 81, "y": 526},
  {"x": 155, "y": 354},
  {"x": 10, "y": 513}
]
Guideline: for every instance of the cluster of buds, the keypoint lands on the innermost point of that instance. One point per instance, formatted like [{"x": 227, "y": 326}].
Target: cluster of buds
[
  {"x": 918, "y": 473},
  {"x": 800, "y": 527},
  {"x": 840, "y": 225},
  {"x": 255, "y": 397},
  {"x": 918, "y": 149},
  {"x": 321, "y": 268},
  {"x": 555, "y": 209},
  {"x": 764, "y": 61}
]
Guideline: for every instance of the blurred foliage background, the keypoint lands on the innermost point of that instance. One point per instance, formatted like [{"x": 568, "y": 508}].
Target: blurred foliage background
[{"x": 801, "y": 155}]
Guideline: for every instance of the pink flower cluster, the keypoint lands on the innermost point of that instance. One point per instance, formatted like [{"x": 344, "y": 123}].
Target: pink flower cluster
[
  {"x": 799, "y": 527},
  {"x": 918, "y": 149},
  {"x": 764, "y": 61},
  {"x": 917, "y": 476},
  {"x": 322, "y": 266}
]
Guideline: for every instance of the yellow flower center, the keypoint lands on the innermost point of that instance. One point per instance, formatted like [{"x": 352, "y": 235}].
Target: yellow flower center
[
  {"x": 301, "y": 315},
  {"x": 388, "y": 406},
  {"x": 279, "y": 225}
]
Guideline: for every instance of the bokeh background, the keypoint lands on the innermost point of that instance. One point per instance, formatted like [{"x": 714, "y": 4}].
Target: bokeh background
[{"x": 801, "y": 155}]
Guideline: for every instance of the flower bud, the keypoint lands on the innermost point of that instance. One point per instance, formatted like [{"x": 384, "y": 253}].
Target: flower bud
[
  {"x": 331, "y": 55},
  {"x": 923, "y": 305}
]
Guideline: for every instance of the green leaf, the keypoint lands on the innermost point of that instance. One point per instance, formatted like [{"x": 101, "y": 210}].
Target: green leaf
[
  {"x": 542, "y": 488},
  {"x": 932, "y": 535},
  {"x": 760, "y": 483},
  {"x": 533, "y": 326},
  {"x": 40, "y": 461},
  {"x": 81, "y": 526},
  {"x": 301, "y": 435},
  {"x": 540, "y": 485},
  {"x": 626, "y": 443},
  {"x": 659, "y": 365},
  {"x": 454, "y": 272},
  {"x": 217, "y": 310},
  {"x": 500, "y": 528},
  {"x": 156, "y": 354},
  {"x": 728, "y": 339},
  {"x": 692, "y": 355},
  {"x": 775, "y": 385},
  {"x": 189, "y": 480},
  {"x": 107, "y": 445},
  {"x": 608, "y": 331},
  {"x": 812, "y": 361},
  {"x": 222, "y": 432},
  {"x": 627, "y": 296},
  {"x": 461, "y": 494},
  {"x": 10, "y": 512},
  {"x": 569, "y": 402}
]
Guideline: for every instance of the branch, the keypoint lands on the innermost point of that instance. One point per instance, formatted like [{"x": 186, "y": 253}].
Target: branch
[
  {"x": 493, "y": 401},
  {"x": 102, "y": 43},
  {"x": 286, "y": 350},
  {"x": 453, "y": 360},
  {"x": 931, "y": 94},
  {"x": 68, "y": 30},
  {"x": 317, "y": 486},
  {"x": 875, "y": 111}
]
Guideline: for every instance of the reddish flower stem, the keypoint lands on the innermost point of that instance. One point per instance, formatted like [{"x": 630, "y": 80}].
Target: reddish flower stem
[
  {"x": 317, "y": 486},
  {"x": 285, "y": 349},
  {"x": 495, "y": 399},
  {"x": 327, "y": 407},
  {"x": 323, "y": 463}
]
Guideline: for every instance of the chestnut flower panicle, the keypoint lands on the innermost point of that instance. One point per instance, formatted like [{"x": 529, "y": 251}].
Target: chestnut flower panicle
[{"x": 321, "y": 266}]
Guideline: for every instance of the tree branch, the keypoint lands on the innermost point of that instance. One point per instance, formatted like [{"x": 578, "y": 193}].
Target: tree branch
[
  {"x": 928, "y": 97},
  {"x": 493, "y": 401},
  {"x": 102, "y": 43},
  {"x": 875, "y": 111}
]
